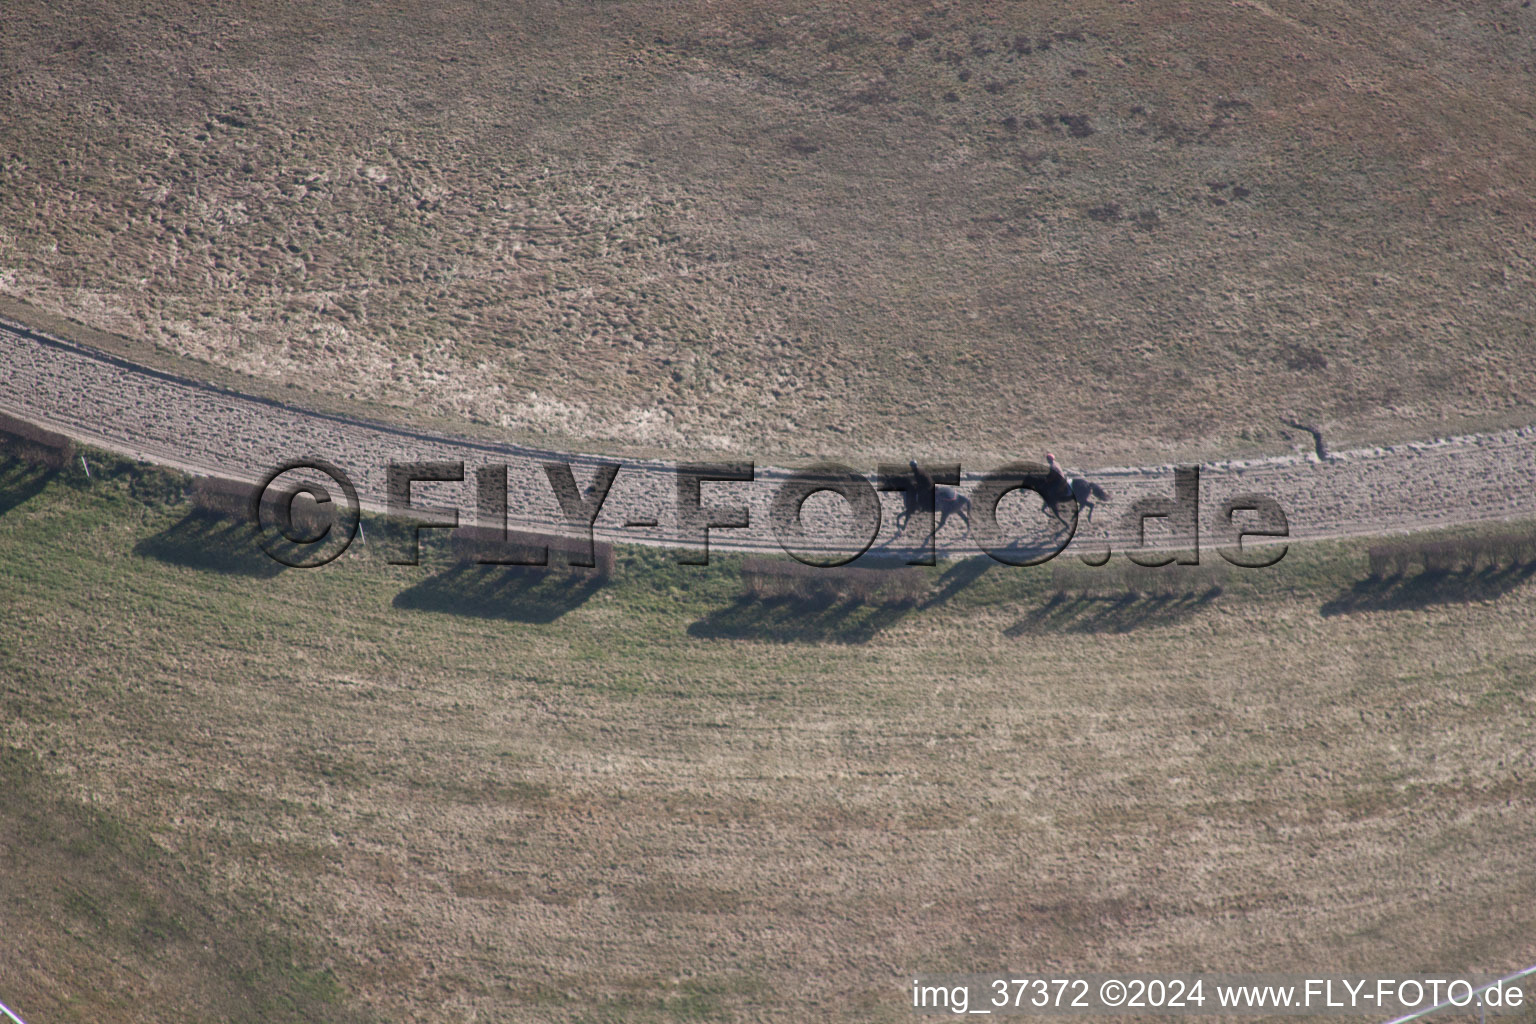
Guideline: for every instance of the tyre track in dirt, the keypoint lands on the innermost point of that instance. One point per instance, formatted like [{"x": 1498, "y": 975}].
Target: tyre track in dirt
[{"x": 144, "y": 413}]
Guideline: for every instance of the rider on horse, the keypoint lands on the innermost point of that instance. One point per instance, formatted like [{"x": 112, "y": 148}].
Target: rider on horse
[
  {"x": 1054, "y": 476},
  {"x": 1058, "y": 487}
]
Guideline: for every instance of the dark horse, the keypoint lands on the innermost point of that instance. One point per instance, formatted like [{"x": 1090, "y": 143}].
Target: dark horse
[
  {"x": 1055, "y": 487},
  {"x": 947, "y": 501}
]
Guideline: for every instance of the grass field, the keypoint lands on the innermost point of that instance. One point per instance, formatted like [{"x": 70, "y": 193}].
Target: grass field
[
  {"x": 1125, "y": 231},
  {"x": 418, "y": 793}
]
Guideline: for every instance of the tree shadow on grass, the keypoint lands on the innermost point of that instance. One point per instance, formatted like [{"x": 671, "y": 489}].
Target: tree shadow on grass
[
  {"x": 1123, "y": 613},
  {"x": 1396, "y": 593},
  {"x": 821, "y": 619},
  {"x": 506, "y": 592},
  {"x": 20, "y": 481},
  {"x": 201, "y": 541}
]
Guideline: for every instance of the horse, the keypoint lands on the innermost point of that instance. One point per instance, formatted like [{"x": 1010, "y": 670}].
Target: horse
[
  {"x": 1085, "y": 492},
  {"x": 947, "y": 501},
  {"x": 1055, "y": 487}
]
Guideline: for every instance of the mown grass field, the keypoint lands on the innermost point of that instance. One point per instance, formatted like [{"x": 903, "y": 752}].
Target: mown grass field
[
  {"x": 1128, "y": 232},
  {"x": 413, "y": 793}
]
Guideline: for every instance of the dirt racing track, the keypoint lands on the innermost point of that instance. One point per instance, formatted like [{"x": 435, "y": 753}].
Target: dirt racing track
[{"x": 143, "y": 413}]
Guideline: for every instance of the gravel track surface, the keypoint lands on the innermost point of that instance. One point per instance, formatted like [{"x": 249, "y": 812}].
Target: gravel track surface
[{"x": 147, "y": 414}]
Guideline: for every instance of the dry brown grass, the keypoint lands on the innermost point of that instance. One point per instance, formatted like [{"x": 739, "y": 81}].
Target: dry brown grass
[
  {"x": 798, "y": 228},
  {"x": 613, "y": 815}
]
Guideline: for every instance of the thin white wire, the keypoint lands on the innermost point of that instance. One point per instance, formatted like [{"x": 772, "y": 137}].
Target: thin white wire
[
  {"x": 1477, "y": 991},
  {"x": 7, "y": 1011}
]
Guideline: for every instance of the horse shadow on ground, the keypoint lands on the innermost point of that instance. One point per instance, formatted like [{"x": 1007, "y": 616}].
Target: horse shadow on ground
[
  {"x": 21, "y": 481},
  {"x": 1406, "y": 593},
  {"x": 210, "y": 543},
  {"x": 508, "y": 593},
  {"x": 833, "y": 618},
  {"x": 1123, "y": 613},
  {"x": 956, "y": 578},
  {"x": 820, "y": 619}
]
